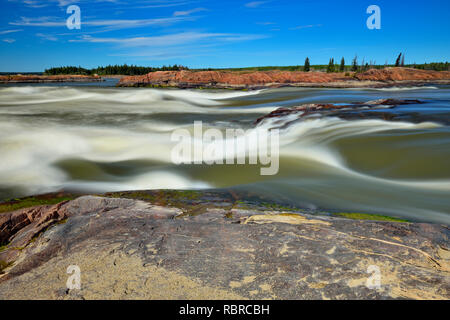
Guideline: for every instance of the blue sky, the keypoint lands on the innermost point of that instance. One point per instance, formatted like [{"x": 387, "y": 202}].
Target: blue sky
[{"x": 229, "y": 33}]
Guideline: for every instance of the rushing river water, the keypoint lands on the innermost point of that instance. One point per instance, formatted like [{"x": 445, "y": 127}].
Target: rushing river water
[{"x": 100, "y": 138}]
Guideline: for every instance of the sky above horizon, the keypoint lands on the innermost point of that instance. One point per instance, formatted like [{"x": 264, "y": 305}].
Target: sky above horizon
[{"x": 218, "y": 34}]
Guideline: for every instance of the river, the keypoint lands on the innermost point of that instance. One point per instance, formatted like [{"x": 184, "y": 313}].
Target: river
[{"x": 99, "y": 138}]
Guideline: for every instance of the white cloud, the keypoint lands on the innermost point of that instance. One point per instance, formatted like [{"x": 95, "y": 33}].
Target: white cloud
[
  {"x": 141, "y": 4},
  {"x": 163, "y": 4},
  {"x": 188, "y": 12},
  {"x": 114, "y": 24},
  {"x": 34, "y": 4},
  {"x": 9, "y": 40},
  {"x": 306, "y": 26},
  {"x": 104, "y": 25},
  {"x": 48, "y": 37},
  {"x": 255, "y": 4},
  {"x": 61, "y": 3},
  {"x": 10, "y": 31},
  {"x": 39, "y": 22},
  {"x": 169, "y": 46},
  {"x": 171, "y": 39},
  {"x": 161, "y": 54}
]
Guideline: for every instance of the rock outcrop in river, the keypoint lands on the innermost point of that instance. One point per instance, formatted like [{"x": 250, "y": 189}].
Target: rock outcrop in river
[
  {"x": 267, "y": 79},
  {"x": 215, "y": 245},
  {"x": 357, "y": 110}
]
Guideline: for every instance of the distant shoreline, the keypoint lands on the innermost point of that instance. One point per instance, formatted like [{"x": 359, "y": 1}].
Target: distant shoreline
[
  {"x": 337, "y": 85},
  {"x": 254, "y": 80},
  {"x": 48, "y": 79}
]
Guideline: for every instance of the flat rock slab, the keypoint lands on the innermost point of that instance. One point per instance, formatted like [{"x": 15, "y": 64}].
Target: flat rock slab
[{"x": 134, "y": 249}]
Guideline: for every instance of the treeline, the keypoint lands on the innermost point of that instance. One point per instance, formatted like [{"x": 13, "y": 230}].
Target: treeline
[
  {"x": 67, "y": 70},
  {"x": 342, "y": 66},
  {"x": 355, "y": 66},
  {"x": 264, "y": 68},
  {"x": 438, "y": 66},
  {"x": 129, "y": 70},
  {"x": 363, "y": 66}
]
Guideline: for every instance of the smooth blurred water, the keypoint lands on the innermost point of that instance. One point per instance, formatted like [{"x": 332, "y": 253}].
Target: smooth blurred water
[{"x": 97, "y": 138}]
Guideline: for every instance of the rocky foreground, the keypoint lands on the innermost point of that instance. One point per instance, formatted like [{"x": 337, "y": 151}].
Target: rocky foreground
[
  {"x": 215, "y": 245},
  {"x": 274, "y": 79},
  {"x": 48, "y": 79}
]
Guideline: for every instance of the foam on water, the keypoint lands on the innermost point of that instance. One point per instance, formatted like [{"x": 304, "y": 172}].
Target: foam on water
[
  {"x": 38, "y": 100},
  {"x": 41, "y": 95}
]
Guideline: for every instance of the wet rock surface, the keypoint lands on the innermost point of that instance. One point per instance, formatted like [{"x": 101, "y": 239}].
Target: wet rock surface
[
  {"x": 384, "y": 109},
  {"x": 215, "y": 245}
]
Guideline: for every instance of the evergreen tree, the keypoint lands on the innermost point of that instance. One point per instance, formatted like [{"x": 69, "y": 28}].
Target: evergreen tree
[
  {"x": 330, "y": 67},
  {"x": 355, "y": 64},
  {"x": 342, "y": 67},
  {"x": 399, "y": 58},
  {"x": 307, "y": 66},
  {"x": 403, "y": 60}
]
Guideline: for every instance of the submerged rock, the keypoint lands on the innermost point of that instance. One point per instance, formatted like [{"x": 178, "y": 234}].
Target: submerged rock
[{"x": 154, "y": 246}]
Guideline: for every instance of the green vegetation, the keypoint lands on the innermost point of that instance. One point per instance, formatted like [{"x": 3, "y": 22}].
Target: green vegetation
[
  {"x": 193, "y": 203},
  {"x": 342, "y": 66},
  {"x": 307, "y": 66},
  {"x": 67, "y": 70},
  {"x": 365, "y": 67},
  {"x": 398, "y": 61},
  {"x": 160, "y": 197},
  {"x": 254, "y": 69},
  {"x": 366, "y": 216},
  {"x": 330, "y": 67},
  {"x": 111, "y": 70},
  {"x": 436, "y": 66},
  {"x": 355, "y": 64},
  {"x": 250, "y": 205},
  {"x": 16, "y": 204}
]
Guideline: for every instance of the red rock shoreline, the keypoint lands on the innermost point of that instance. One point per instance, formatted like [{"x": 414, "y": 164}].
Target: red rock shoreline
[{"x": 273, "y": 79}]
